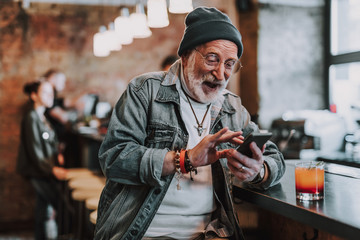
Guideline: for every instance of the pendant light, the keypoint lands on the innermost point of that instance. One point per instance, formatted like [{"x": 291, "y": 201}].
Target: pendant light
[
  {"x": 112, "y": 38},
  {"x": 140, "y": 28},
  {"x": 157, "y": 16},
  {"x": 100, "y": 44},
  {"x": 180, "y": 6},
  {"x": 123, "y": 27}
]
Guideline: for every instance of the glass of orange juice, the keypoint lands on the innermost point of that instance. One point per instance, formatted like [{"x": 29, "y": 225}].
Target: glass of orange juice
[{"x": 309, "y": 180}]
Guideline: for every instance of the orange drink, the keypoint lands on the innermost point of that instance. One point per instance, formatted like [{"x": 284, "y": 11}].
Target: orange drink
[{"x": 309, "y": 180}]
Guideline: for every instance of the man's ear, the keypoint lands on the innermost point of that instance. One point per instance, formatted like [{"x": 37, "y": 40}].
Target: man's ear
[{"x": 184, "y": 57}]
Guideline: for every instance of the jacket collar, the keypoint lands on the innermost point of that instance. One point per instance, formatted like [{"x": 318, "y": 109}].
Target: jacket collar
[{"x": 168, "y": 92}]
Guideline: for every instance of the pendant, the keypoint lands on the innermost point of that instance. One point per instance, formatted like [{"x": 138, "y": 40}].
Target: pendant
[
  {"x": 178, "y": 176},
  {"x": 200, "y": 130}
]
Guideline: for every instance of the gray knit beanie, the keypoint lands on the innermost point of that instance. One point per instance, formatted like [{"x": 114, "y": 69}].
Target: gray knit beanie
[{"x": 206, "y": 24}]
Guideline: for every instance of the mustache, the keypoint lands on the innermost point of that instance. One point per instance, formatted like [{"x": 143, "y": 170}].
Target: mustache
[{"x": 212, "y": 79}]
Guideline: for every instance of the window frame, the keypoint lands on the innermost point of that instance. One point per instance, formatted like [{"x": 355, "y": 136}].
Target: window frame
[{"x": 331, "y": 59}]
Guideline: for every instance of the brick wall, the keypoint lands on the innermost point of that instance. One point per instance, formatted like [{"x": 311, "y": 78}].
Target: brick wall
[{"x": 60, "y": 36}]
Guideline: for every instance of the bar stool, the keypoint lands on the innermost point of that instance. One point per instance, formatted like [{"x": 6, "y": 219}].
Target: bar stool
[
  {"x": 92, "y": 221},
  {"x": 66, "y": 208},
  {"x": 89, "y": 182},
  {"x": 72, "y": 172},
  {"x": 92, "y": 203},
  {"x": 78, "y": 173},
  {"x": 80, "y": 193},
  {"x": 93, "y": 217},
  {"x": 73, "y": 181}
]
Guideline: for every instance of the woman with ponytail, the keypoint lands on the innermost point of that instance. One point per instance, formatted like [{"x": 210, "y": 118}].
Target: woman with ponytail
[{"x": 39, "y": 159}]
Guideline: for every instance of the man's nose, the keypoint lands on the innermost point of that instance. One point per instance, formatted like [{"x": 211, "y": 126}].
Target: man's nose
[{"x": 220, "y": 73}]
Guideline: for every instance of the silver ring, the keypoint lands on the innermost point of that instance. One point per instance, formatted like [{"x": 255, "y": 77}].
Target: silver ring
[{"x": 242, "y": 168}]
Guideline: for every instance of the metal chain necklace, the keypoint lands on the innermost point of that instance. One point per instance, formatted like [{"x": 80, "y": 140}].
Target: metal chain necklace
[{"x": 199, "y": 127}]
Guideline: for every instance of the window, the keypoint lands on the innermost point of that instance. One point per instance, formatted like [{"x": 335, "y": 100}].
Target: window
[{"x": 343, "y": 59}]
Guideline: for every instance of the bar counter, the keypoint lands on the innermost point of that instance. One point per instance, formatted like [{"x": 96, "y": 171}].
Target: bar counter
[{"x": 338, "y": 213}]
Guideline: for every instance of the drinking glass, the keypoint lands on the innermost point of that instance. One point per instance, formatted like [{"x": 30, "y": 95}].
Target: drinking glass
[{"x": 309, "y": 180}]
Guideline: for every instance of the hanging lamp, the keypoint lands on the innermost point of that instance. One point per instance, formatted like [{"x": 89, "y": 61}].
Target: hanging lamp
[
  {"x": 100, "y": 43},
  {"x": 180, "y": 6},
  {"x": 113, "y": 38},
  {"x": 139, "y": 25},
  {"x": 123, "y": 27},
  {"x": 157, "y": 16}
]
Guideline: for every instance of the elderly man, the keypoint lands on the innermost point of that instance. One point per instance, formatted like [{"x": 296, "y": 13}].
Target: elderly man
[{"x": 169, "y": 151}]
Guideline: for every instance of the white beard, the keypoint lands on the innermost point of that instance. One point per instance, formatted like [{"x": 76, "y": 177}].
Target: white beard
[{"x": 193, "y": 85}]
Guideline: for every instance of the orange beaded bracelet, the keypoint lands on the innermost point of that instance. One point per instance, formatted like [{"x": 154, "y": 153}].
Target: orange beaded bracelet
[{"x": 182, "y": 161}]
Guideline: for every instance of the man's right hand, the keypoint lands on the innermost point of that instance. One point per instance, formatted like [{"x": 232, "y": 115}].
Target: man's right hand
[{"x": 205, "y": 153}]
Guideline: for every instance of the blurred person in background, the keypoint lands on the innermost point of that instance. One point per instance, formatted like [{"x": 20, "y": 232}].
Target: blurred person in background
[
  {"x": 168, "y": 61},
  {"x": 63, "y": 115},
  {"x": 169, "y": 153},
  {"x": 65, "y": 109},
  {"x": 39, "y": 159}
]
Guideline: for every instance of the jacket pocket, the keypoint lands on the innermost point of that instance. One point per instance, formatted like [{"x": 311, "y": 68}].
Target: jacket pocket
[{"x": 160, "y": 137}]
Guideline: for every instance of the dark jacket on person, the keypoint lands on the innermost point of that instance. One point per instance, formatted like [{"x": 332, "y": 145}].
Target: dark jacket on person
[{"x": 38, "y": 147}]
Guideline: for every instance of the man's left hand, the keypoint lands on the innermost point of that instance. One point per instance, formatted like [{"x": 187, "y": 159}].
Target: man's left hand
[{"x": 243, "y": 167}]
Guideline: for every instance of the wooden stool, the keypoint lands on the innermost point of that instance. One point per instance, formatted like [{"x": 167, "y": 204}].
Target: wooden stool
[
  {"x": 93, "y": 217},
  {"x": 89, "y": 182},
  {"x": 79, "y": 195},
  {"x": 92, "y": 203},
  {"x": 83, "y": 194},
  {"x": 66, "y": 208},
  {"x": 77, "y": 178},
  {"x": 92, "y": 221},
  {"x": 78, "y": 172}
]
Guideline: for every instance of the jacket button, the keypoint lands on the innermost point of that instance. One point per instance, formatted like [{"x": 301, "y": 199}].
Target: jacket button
[
  {"x": 134, "y": 232},
  {"x": 157, "y": 191}
]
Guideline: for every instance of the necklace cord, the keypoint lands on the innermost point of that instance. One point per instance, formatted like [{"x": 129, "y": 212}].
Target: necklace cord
[{"x": 192, "y": 109}]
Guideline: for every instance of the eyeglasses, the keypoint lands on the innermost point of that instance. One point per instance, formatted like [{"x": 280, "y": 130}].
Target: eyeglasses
[{"x": 212, "y": 60}]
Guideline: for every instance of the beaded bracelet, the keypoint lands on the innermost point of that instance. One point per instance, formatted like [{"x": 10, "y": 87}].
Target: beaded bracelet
[
  {"x": 183, "y": 165},
  {"x": 188, "y": 166},
  {"x": 178, "y": 173}
]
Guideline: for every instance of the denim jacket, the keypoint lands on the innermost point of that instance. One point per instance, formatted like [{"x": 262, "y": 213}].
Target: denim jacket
[{"x": 146, "y": 123}]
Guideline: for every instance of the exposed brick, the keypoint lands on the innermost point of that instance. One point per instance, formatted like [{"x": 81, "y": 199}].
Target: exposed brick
[{"x": 60, "y": 36}]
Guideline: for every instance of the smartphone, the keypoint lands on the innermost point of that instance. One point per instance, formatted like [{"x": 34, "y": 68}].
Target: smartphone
[{"x": 259, "y": 138}]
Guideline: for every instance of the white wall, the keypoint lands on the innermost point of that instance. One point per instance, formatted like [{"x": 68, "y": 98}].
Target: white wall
[{"x": 290, "y": 60}]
